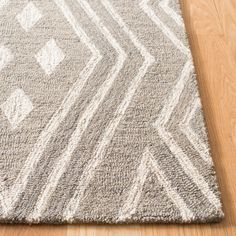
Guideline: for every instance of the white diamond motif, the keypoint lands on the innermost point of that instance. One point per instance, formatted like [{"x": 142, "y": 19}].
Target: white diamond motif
[
  {"x": 29, "y": 16},
  {"x": 5, "y": 57},
  {"x": 50, "y": 56},
  {"x": 17, "y": 107}
]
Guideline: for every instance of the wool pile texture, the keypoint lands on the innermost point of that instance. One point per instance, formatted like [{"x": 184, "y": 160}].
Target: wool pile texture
[{"x": 100, "y": 115}]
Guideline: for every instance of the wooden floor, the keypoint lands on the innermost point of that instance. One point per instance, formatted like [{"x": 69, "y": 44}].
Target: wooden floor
[{"x": 211, "y": 25}]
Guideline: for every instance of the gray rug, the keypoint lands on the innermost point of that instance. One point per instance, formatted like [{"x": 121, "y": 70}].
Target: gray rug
[{"x": 100, "y": 116}]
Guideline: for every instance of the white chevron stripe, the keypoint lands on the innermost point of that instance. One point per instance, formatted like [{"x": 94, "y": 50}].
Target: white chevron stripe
[
  {"x": 97, "y": 158},
  {"x": 33, "y": 158},
  {"x": 169, "y": 11},
  {"x": 168, "y": 33},
  {"x": 183, "y": 159},
  {"x": 173, "y": 100},
  {"x": 130, "y": 205},
  {"x": 148, "y": 164},
  {"x": 62, "y": 163},
  {"x": 188, "y": 167},
  {"x": 187, "y": 130}
]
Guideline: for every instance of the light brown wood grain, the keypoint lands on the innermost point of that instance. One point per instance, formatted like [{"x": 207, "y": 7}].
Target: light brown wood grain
[{"x": 211, "y": 25}]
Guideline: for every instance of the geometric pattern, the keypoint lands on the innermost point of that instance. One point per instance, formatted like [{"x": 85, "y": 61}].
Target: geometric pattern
[
  {"x": 50, "y": 56},
  {"x": 17, "y": 107},
  {"x": 101, "y": 119},
  {"x": 5, "y": 57},
  {"x": 29, "y": 16}
]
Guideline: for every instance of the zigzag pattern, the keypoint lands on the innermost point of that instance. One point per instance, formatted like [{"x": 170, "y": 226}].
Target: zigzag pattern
[{"x": 116, "y": 42}]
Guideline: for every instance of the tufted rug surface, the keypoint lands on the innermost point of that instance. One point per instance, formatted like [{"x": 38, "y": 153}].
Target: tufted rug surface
[{"x": 100, "y": 115}]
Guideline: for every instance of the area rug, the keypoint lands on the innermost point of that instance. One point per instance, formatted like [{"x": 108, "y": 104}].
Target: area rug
[{"x": 100, "y": 115}]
